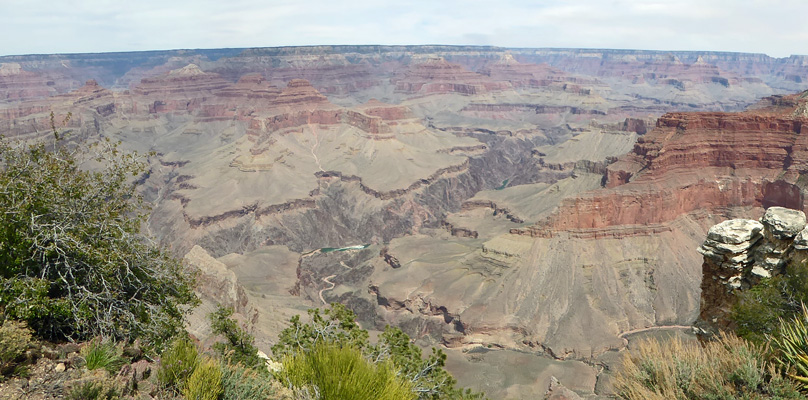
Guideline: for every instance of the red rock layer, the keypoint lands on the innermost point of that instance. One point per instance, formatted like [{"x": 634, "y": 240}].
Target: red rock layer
[
  {"x": 17, "y": 84},
  {"x": 330, "y": 79},
  {"x": 438, "y": 76},
  {"x": 239, "y": 101},
  {"x": 694, "y": 161},
  {"x": 534, "y": 75},
  {"x": 187, "y": 80},
  {"x": 301, "y": 104},
  {"x": 250, "y": 86},
  {"x": 300, "y": 94},
  {"x": 88, "y": 101},
  {"x": 388, "y": 112}
]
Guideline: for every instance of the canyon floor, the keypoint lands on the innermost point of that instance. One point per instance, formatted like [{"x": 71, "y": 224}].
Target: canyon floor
[{"x": 531, "y": 211}]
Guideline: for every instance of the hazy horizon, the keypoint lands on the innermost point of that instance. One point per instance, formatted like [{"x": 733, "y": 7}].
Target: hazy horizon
[{"x": 98, "y": 26}]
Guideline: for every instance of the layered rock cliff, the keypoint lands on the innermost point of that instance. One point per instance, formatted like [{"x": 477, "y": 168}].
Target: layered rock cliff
[{"x": 694, "y": 162}]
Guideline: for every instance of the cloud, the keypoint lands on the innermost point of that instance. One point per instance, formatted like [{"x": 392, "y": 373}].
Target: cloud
[{"x": 44, "y": 26}]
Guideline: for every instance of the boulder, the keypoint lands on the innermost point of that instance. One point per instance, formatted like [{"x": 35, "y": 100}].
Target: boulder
[
  {"x": 783, "y": 223},
  {"x": 735, "y": 231},
  {"x": 801, "y": 240}
]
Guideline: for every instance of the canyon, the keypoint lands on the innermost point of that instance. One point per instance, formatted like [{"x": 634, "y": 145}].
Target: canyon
[{"x": 531, "y": 211}]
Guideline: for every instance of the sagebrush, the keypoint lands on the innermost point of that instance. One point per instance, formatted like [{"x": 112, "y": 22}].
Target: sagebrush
[{"x": 726, "y": 368}]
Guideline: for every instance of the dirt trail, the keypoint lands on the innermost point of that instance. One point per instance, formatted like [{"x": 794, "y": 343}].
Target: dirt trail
[{"x": 326, "y": 280}]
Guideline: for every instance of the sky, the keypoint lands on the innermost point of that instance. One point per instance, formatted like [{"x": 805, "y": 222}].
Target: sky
[{"x": 774, "y": 27}]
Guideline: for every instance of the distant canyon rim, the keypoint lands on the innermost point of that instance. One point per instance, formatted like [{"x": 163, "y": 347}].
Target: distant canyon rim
[{"x": 529, "y": 210}]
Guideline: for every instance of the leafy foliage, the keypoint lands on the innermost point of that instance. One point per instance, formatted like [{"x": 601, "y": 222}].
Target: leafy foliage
[
  {"x": 205, "y": 383},
  {"x": 73, "y": 262},
  {"x": 780, "y": 297},
  {"x": 337, "y": 325},
  {"x": 727, "y": 368},
  {"x": 177, "y": 363},
  {"x": 239, "y": 347},
  {"x": 100, "y": 354},
  {"x": 242, "y": 383},
  {"x": 335, "y": 372},
  {"x": 792, "y": 346}
]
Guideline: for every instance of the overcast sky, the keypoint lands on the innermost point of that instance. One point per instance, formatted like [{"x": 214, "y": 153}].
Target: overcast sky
[{"x": 774, "y": 27}]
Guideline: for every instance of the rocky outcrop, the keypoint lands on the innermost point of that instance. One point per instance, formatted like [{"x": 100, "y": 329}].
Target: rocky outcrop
[
  {"x": 216, "y": 285},
  {"x": 507, "y": 69},
  {"x": 739, "y": 252},
  {"x": 182, "y": 89},
  {"x": 697, "y": 161},
  {"x": 17, "y": 84},
  {"x": 332, "y": 74},
  {"x": 436, "y": 75},
  {"x": 186, "y": 80},
  {"x": 250, "y": 86}
]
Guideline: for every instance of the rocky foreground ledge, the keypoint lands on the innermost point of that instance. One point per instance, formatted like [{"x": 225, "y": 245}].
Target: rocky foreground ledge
[{"x": 738, "y": 253}]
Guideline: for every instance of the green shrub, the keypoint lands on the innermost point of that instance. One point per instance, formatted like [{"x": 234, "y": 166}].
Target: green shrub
[
  {"x": 241, "y": 383},
  {"x": 343, "y": 373},
  {"x": 335, "y": 325},
  {"x": 177, "y": 363},
  {"x": 759, "y": 309},
  {"x": 338, "y": 326},
  {"x": 239, "y": 347},
  {"x": 100, "y": 354},
  {"x": 73, "y": 261},
  {"x": 205, "y": 383},
  {"x": 727, "y": 368},
  {"x": 94, "y": 387},
  {"x": 15, "y": 339},
  {"x": 791, "y": 345}
]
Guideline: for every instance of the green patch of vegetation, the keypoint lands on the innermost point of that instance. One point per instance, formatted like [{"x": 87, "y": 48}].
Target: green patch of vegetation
[
  {"x": 205, "y": 383},
  {"x": 242, "y": 383},
  {"x": 15, "y": 339},
  {"x": 93, "y": 390},
  {"x": 334, "y": 372},
  {"x": 177, "y": 363},
  {"x": 239, "y": 347},
  {"x": 727, "y": 368},
  {"x": 759, "y": 309},
  {"x": 73, "y": 261},
  {"x": 337, "y": 326},
  {"x": 791, "y": 345},
  {"x": 99, "y": 354}
]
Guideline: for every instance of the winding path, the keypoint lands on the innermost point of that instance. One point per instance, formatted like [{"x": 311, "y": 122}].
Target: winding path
[
  {"x": 313, "y": 147},
  {"x": 326, "y": 280}
]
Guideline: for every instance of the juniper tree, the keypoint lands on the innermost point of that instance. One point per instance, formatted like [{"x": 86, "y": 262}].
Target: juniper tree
[{"x": 73, "y": 261}]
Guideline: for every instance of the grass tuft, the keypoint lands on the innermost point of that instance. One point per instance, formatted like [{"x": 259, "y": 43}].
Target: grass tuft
[
  {"x": 105, "y": 355},
  {"x": 727, "y": 368},
  {"x": 342, "y": 373}
]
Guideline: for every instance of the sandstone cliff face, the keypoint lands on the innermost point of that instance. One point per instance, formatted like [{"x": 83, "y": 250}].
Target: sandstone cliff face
[
  {"x": 436, "y": 75},
  {"x": 183, "y": 89},
  {"x": 507, "y": 69},
  {"x": 216, "y": 286},
  {"x": 696, "y": 161},
  {"x": 17, "y": 84}
]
